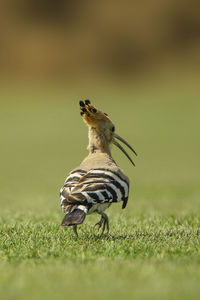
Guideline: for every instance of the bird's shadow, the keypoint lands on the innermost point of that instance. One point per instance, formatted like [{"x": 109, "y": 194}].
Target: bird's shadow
[
  {"x": 112, "y": 237},
  {"x": 137, "y": 235}
]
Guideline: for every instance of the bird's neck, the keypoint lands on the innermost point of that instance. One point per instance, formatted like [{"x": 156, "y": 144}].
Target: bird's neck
[{"x": 97, "y": 142}]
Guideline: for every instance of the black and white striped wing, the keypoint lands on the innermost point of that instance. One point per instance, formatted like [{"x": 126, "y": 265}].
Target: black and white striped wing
[
  {"x": 71, "y": 182},
  {"x": 99, "y": 185}
]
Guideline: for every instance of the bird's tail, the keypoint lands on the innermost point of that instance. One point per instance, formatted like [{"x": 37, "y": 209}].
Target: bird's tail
[{"x": 75, "y": 217}]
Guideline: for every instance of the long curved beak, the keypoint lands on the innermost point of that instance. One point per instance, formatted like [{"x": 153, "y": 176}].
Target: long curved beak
[{"x": 121, "y": 148}]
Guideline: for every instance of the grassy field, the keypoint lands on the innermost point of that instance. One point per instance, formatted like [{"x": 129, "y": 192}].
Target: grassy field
[{"x": 153, "y": 249}]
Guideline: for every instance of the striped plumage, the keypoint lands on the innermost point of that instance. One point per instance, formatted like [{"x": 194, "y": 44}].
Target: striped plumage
[
  {"x": 97, "y": 186},
  {"x": 98, "y": 181}
]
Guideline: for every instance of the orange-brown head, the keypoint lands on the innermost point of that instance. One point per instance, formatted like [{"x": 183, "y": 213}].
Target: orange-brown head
[{"x": 101, "y": 130}]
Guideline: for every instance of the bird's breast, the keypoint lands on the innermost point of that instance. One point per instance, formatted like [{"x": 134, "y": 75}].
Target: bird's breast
[{"x": 98, "y": 208}]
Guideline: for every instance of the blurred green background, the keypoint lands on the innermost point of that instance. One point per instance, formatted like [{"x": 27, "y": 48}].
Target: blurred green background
[
  {"x": 138, "y": 62},
  {"x": 43, "y": 138}
]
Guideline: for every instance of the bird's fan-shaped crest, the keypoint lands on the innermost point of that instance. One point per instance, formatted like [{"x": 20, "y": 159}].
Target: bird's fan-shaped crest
[
  {"x": 91, "y": 115},
  {"x": 100, "y": 121}
]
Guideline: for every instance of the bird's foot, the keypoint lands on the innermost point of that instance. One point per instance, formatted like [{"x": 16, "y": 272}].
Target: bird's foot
[
  {"x": 75, "y": 229},
  {"x": 103, "y": 221}
]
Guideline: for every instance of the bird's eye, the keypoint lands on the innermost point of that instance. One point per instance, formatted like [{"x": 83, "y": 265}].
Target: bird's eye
[{"x": 113, "y": 128}]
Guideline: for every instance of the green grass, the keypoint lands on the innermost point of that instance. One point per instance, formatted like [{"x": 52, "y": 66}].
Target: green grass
[
  {"x": 153, "y": 249},
  {"x": 146, "y": 256}
]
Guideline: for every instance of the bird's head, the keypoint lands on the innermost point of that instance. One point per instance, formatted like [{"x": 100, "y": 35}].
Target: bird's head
[{"x": 101, "y": 130}]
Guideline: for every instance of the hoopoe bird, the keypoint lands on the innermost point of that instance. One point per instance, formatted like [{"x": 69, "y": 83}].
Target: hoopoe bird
[{"x": 98, "y": 181}]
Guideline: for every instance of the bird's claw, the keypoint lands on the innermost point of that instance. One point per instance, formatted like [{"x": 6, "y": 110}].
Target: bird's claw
[
  {"x": 99, "y": 224},
  {"x": 104, "y": 221}
]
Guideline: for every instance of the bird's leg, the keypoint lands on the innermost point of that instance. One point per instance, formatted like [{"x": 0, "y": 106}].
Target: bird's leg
[
  {"x": 103, "y": 221},
  {"x": 75, "y": 229}
]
